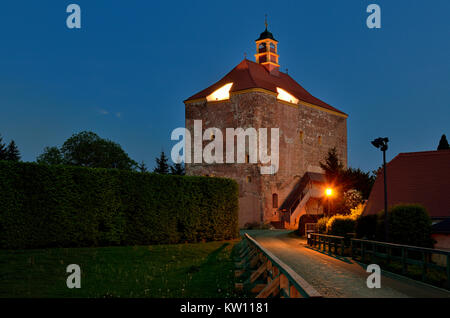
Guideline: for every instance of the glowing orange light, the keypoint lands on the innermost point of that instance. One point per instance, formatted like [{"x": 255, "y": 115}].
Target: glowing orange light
[
  {"x": 283, "y": 95},
  {"x": 329, "y": 191},
  {"x": 220, "y": 94}
]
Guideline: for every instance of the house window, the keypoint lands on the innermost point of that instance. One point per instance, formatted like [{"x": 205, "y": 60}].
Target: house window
[{"x": 275, "y": 201}]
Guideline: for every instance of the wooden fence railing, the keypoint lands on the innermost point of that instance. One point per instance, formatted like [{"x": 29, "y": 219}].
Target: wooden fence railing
[
  {"x": 327, "y": 243},
  {"x": 266, "y": 275},
  {"x": 425, "y": 258}
]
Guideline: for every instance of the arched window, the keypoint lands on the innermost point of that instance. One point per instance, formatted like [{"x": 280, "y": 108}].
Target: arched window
[
  {"x": 275, "y": 201},
  {"x": 262, "y": 47},
  {"x": 272, "y": 47}
]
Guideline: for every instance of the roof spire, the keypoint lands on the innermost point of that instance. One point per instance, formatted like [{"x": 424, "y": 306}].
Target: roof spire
[{"x": 265, "y": 21}]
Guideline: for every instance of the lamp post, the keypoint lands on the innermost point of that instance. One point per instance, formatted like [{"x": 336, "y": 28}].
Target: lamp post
[
  {"x": 382, "y": 144},
  {"x": 328, "y": 193}
]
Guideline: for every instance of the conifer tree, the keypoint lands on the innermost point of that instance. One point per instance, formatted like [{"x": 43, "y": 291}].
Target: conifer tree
[
  {"x": 12, "y": 152},
  {"x": 162, "y": 167},
  {"x": 443, "y": 143},
  {"x": 3, "y": 152},
  {"x": 177, "y": 169},
  {"x": 142, "y": 167}
]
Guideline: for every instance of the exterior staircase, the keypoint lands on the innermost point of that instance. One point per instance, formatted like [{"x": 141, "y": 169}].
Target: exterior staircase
[{"x": 294, "y": 204}]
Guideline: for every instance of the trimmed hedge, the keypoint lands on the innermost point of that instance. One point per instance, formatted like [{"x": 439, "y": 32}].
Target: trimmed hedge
[
  {"x": 65, "y": 206},
  {"x": 409, "y": 224},
  {"x": 341, "y": 225}
]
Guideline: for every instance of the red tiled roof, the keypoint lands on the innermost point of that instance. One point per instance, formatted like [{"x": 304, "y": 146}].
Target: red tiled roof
[
  {"x": 415, "y": 177},
  {"x": 249, "y": 75}
]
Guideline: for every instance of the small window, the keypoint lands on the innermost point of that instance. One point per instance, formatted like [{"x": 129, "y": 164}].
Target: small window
[
  {"x": 249, "y": 179},
  {"x": 301, "y": 136},
  {"x": 247, "y": 158},
  {"x": 275, "y": 201},
  {"x": 319, "y": 140},
  {"x": 262, "y": 47}
]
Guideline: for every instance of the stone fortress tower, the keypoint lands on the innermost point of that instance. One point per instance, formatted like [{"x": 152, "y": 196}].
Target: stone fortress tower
[{"x": 257, "y": 94}]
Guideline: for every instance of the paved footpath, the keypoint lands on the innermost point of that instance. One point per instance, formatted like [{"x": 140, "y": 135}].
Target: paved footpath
[{"x": 333, "y": 277}]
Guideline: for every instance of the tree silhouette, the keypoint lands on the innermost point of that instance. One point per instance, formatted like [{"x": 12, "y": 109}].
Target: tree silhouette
[
  {"x": 177, "y": 169},
  {"x": 50, "y": 156},
  {"x": 12, "y": 152},
  {"x": 142, "y": 167},
  {"x": 333, "y": 167},
  {"x": 443, "y": 143},
  {"x": 162, "y": 167},
  {"x": 3, "y": 152}
]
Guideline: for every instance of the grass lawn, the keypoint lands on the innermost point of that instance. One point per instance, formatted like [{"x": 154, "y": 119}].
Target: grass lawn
[{"x": 181, "y": 270}]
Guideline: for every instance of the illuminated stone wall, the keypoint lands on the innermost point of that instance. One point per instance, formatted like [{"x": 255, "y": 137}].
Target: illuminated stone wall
[{"x": 306, "y": 135}]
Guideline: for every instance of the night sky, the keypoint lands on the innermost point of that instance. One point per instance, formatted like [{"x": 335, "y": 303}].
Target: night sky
[{"x": 125, "y": 74}]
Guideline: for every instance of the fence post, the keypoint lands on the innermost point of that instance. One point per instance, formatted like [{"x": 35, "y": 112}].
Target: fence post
[
  {"x": 424, "y": 266},
  {"x": 404, "y": 265},
  {"x": 448, "y": 271},
  {"x": 388, "y": 252},
  {"x": 362, "y": 251},
  {"x": 351, "y": 248}
]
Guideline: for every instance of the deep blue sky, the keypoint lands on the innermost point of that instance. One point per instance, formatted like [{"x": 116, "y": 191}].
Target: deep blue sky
[{"x": 125, "y": 74}]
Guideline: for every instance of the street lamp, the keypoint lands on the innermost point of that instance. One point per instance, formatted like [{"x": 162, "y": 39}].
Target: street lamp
[
  {"x": 382, "y": 144},
  {"x": 328, "y": 193}
]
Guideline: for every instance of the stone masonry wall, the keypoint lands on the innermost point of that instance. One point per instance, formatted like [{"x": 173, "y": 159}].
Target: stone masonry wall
[{"x": 306, "y": 135}]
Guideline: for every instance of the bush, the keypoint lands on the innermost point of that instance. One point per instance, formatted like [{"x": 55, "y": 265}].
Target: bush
[
  {"x": 409, "y": 224},
  {"x": 341, "y": 225},
  {"x": 322, "y": 225},
  {"x": 63, "y": 206},
  {"x": 366, "y": 226}
]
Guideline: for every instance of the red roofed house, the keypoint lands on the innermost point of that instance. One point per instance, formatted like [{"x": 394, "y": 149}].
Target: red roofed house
[
  {"x": 257, "y": 94},
  {"x": 418, "y": 177}
]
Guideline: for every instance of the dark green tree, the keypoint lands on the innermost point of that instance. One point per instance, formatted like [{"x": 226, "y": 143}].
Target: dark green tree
[
  {"x": 359, "y": 180},
  {"x": 162, "y": 167},
  {"x": 333, "y": 168},
  {"x": 142, "y": 167},
  {"x": 50, "y": 156},
  {"x": 3, "y": 152},
  {"x": 177, "y": 169},
  {"x": 443, "y": 143},
  {"x": 12, "y": 152},
  {"x": 87, "y": 149}
]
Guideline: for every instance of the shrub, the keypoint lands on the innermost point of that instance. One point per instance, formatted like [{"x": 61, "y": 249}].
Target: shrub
[
  {"x": 322, "y": 225},
  {"x": 62, "y": 206},
  {"x": 409, "y": 224},
  {"x": 366, "y": 226},
  {"x": 340, "y": 225}
]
